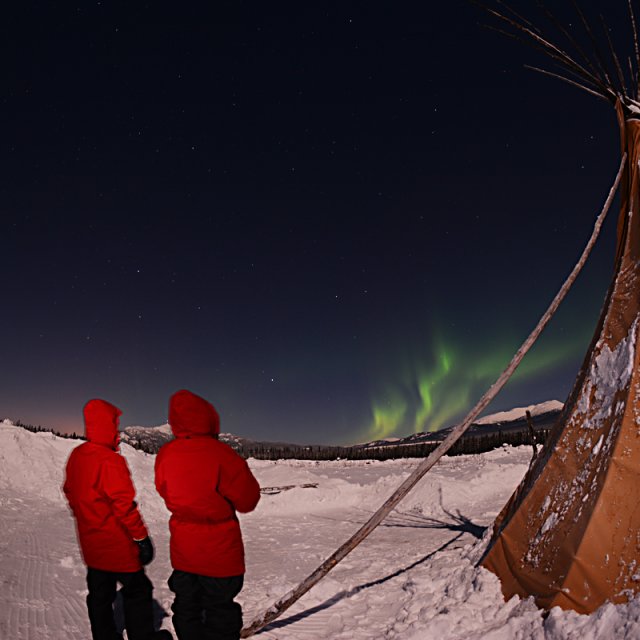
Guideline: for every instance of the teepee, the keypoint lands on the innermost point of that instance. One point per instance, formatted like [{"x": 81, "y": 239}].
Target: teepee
[{"x": 570, "y": 534}]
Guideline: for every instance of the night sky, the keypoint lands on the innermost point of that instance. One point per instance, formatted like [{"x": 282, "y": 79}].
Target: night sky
[{"x": 335, "y": 221}]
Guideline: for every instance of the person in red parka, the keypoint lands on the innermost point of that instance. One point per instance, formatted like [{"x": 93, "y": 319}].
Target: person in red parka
[
  {"x": 203, "y": 483},
  {"x": 113, "y": 538}
]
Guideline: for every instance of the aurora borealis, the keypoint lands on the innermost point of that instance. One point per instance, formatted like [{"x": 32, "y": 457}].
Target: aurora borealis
[
  {"x": 337, "y": 224},
  {"x": 426, "y": 398}
]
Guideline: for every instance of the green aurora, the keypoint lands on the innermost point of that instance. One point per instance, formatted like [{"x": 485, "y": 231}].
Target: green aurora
[{"x": 433, "y": 389}]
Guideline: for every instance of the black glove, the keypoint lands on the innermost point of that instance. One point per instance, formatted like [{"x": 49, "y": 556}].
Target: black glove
[{"x": 145, "y": 550}]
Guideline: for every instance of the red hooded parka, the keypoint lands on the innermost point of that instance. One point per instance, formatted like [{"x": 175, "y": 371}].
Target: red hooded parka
[
  {"x": 203, "y": 482},
  {"x": 100, "y": 492}
]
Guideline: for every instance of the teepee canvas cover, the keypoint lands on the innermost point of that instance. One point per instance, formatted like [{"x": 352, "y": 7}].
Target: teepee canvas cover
[{"x": 570, "y": 534}]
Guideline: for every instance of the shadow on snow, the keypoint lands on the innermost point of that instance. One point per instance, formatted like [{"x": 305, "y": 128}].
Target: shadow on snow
[{"x": 342, "y": 595}]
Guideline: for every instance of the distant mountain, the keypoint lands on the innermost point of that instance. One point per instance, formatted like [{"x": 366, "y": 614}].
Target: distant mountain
[
  {"x": 551, "y": 406},
  {"x": 543, "y": 417},
  {"x": 150, "y": 439}
]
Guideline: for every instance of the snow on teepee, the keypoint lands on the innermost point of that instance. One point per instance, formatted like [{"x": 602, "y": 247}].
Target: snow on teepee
[{"x": 570, "y": 534}]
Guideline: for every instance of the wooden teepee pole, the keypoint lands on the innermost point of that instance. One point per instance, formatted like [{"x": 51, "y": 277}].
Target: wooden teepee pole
[{"x": 288, "y": 599}]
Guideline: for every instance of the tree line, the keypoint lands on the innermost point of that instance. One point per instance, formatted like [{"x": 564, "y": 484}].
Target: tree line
[
  {"x": 39, "y": 429},
  {"x": 468, "y": 444}
]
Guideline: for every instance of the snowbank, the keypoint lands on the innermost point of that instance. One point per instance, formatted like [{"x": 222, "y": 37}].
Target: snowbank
[{"x": 414, "y": 578}]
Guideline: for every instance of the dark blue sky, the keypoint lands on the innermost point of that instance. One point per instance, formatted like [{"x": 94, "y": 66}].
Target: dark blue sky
[{"x": 334, "y": 221}]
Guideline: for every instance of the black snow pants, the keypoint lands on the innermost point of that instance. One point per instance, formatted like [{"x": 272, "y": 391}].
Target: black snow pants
[
  {"x": 137, "y": 600},
  {"x": 203, "y": 608}
]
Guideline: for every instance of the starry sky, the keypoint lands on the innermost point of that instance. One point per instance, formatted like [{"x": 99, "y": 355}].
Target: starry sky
[{"x": 335, "y": 221}]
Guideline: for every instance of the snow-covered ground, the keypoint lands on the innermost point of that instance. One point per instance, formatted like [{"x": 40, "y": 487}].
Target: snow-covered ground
[{"x": 414, "y": 578}]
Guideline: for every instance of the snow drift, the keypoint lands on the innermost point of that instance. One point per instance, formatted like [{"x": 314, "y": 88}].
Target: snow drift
[{"x": 415, "y": 578}]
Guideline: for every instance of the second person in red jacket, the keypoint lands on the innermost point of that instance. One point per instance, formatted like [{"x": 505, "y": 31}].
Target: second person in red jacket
[{"x": 203, "y": 483}]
